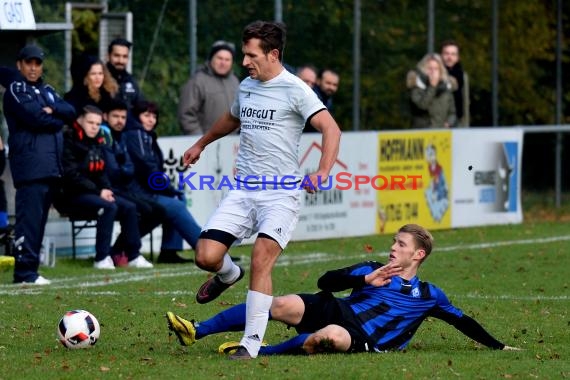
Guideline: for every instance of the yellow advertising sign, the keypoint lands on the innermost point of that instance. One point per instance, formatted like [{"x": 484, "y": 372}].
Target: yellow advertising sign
[{"x": 424, "y": 197}]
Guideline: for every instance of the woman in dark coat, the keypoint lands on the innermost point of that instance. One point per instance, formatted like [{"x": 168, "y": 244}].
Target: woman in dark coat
[{"x": 92, "y": 84}]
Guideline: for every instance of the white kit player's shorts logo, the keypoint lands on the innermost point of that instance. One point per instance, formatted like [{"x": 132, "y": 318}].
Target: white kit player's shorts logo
[{"x": 278, "y": 231}]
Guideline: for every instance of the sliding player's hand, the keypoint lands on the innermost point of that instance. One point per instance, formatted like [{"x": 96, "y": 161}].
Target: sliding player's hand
[{"x": 382, "y": 275}]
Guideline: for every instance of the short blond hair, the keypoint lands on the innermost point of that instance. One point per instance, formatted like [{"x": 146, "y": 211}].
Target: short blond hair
[{"x": 422, "y": 237}]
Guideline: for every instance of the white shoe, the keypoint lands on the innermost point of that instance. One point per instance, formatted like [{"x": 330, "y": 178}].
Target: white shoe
[
  {"x": 140, "y": 262},
  {"x": 106, "y": 263},
  {"x": 39, "y": 281}
]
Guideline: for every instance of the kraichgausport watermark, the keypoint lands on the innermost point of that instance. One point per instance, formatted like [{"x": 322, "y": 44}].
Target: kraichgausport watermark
[{"x": 340, "y": 181}]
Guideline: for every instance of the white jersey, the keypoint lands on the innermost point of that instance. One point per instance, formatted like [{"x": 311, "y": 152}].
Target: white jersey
[{"x": 272, "y": 116}]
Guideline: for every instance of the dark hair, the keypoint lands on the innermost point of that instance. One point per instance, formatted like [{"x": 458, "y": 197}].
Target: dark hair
[
  {"x": 116, "y": 105},
  {"x": 324, "y": 70},
  {"x": 145, "y": 106},
  {"x": 422, "y": 238},
  {"x": 91, "y": 109},
  {"x": 272, "y": 35},
  {"x": 119, "y": 42},
  {"x": 447, "y": 43}
]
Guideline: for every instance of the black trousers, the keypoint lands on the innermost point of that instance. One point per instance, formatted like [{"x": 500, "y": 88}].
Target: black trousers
[
  {"x": 150, "y": 215},
  {"x": 122, "y": 210},
  {"x": 33, "y": 200}
]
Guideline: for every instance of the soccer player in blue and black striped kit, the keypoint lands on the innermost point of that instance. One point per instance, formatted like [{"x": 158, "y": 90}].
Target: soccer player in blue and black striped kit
[{"x": 385, "y": 308}]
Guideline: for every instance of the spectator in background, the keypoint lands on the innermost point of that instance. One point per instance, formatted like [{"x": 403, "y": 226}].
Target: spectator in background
[
  {"x": 86, "y": 187},
  {"x": 118, "y": 58},
  {"x": 121, "y": 172},
  {"x": 451, "y": 60},
  {"x": 148, "y": 159},
  {"x": 92, "y": 83},
  {"x": 326, "y": 86},
  {"x": 308, "y": 74},
  {"x": 35, "y": 115},
  {"x": 431, "y": 94},
  {"x": 209, "y": 92}
]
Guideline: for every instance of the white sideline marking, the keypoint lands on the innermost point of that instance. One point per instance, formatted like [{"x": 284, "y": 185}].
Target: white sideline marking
[
  {"x": 510, "y": 298},
  {"x": 81, "y": 283},
  {"x": 546, "y": 240},
  {"x": 176, "y": 293}
]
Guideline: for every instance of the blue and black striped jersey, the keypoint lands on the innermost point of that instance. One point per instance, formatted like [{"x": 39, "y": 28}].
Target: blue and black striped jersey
[{"x": 391, "y": 314}]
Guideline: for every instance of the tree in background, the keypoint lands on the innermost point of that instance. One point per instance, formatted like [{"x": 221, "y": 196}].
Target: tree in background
[{"x": 394, "y": 38}]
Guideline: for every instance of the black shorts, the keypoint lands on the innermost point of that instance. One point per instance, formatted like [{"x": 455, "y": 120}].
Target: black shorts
[{"x": 323, "y": 309}]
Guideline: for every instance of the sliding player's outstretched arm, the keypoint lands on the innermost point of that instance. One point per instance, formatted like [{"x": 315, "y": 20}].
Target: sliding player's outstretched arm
[{"x": 472, "y": 329}]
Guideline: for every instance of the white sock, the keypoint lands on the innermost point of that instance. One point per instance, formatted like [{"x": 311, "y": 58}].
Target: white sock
[
  {"x": 256, "y": 317},
  {"x": 229, "y": 272}
]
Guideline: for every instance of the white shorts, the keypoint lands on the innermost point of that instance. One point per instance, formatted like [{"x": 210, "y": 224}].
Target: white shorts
[{"x": 243, "y": 213}]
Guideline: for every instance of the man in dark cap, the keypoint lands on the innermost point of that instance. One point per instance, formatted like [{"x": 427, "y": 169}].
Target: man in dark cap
[
  {"x": 210, "y": 92},
  {"x": 35, "y": 115}
]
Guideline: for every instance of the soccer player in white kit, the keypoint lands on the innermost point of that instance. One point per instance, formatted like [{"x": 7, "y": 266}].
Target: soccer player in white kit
[{"x": 271, "y": 108}]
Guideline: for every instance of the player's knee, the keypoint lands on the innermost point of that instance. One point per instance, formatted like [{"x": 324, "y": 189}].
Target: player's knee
[
  {"x": 206, "y": 259},
  {"x": 203, "y": 261},
  {"x": 278, "y": 307}
]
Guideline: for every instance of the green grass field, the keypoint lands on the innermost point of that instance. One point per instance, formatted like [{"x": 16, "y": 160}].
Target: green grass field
[{"x": 513, "y": 279}]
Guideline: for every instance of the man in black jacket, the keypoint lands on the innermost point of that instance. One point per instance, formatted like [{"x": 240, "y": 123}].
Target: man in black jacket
[
  {"x": 451, "y": 60},
  {"x": 118, "y": 58},
  {"x": 387, "y": 305},
  {"x": 35, "y": 115}
]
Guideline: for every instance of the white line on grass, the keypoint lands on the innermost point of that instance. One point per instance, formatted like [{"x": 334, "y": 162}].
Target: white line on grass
[
  {"x": 511, "y": 298},
  {"x": 81, "y": 283},
  {"x": 177, "y": 293}
]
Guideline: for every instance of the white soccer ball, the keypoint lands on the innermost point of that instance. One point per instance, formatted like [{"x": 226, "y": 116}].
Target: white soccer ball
[{"x": 78, "y": 329}]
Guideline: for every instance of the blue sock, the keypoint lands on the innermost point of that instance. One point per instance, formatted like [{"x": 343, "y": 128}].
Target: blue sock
[
  {"x": 292, "y": 346},
  {"x": 232, "y": 319}
]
